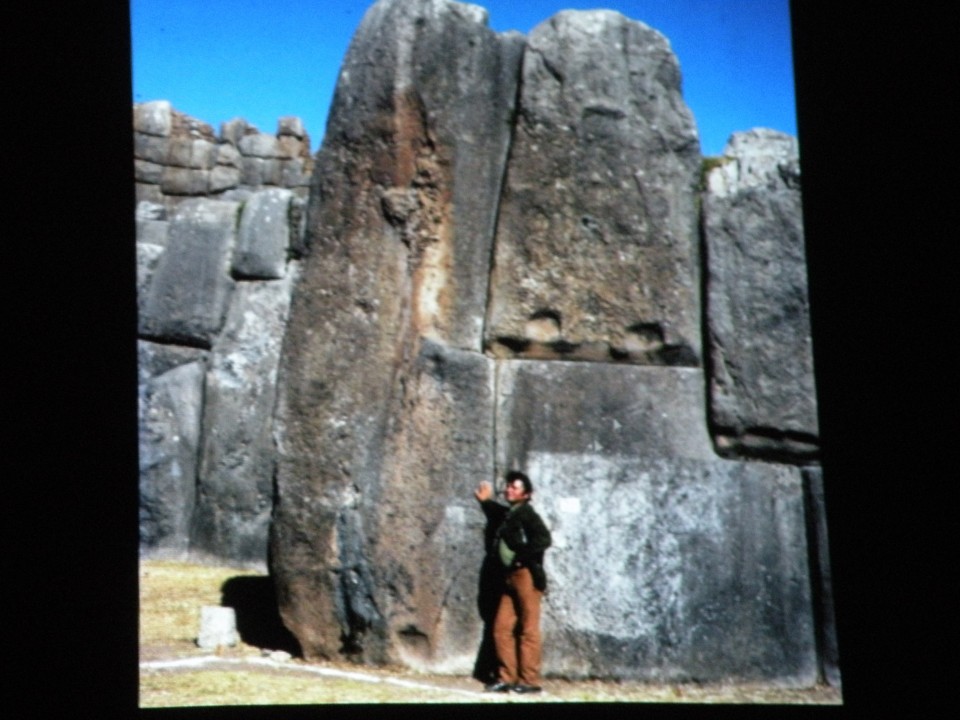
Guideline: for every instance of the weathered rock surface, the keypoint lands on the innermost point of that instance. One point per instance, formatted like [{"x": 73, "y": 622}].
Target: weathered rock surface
[
  {"x": 177, "y": 157},
  {"x": 382, "y": 565},
  {"x": 762, "y": 394},
  {"x": 414, "y": 154},
  {"x": 485, "y": 207},
  {"x": 214, "y": 287},
  {"x": 389, "y": 415},
  {"x": 263, "y": 238},
  {"x": 191, "y": 286},
  {"x": 152, "y": 224},
  {"x": 375, "y": 421},
  {"x": 596, "y": 254},
  {"x": 235, "y": 479},
  {"x": 170, "y": 403},
  {"x": 669, "y": 563}
]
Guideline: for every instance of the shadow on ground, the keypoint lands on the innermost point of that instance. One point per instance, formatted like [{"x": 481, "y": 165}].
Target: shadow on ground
[{"x": 258, "y": 617}]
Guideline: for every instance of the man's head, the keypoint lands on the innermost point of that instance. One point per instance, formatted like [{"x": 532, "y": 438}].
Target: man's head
[{"x": 518, "y": 487}]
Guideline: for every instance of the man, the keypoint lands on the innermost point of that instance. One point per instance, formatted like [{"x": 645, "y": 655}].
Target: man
[{"x": 520, "y": 539}]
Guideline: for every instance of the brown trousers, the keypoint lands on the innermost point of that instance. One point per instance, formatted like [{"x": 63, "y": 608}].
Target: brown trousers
[{"x": 516, "y": 630}]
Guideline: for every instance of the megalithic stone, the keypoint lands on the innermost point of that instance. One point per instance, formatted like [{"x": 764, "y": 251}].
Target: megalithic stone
[
  {"x": 444, "y": 272},
  {"x": 669, "y": 563},
  {"x": 597, "y": 246},
  {"x": 235, "y": 481},
  {"x": 373, "y": 513},
  {"x": 263, "y": 237},
  {"x": 190, "y": 290},
  {"x": 763, "y": 399},
  {"x": 171, "y": 410}
]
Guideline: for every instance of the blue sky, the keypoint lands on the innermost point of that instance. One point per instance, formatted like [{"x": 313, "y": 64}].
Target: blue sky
[{"x": 263, "y": 59}]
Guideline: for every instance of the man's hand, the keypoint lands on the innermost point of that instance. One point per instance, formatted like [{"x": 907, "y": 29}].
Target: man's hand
[{"x": 484, "y": 491}]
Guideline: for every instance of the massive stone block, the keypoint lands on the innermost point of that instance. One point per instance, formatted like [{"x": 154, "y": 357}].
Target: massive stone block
[
  {"x": 235, "y": 479},
  {"x": 424, "y": 536},
  {"x": 170, "y": 406},
  {"x": 151, "y": 148},
  {"x": 147, "y": 172},
  {"x": 257, "y": 171},
  {"x": 190, "y": 254},
  {"x": 184, "y": 181},
  {"x": 264, "y": 235},
  {"x": 382, "y": 401},
  {"x": 669, "y": 563},
  {"x": 597, "y": 249},
  {"x": 259, "y": 145},
  {"x": 153, "y": 118},
  {"x": 223, "y": 177},
  {"x": 386, "y": 413},
  {"x": 377, "y": 554},
  {"x": 187, "y": 152},
  {"x": 191, "y": 286},
  {"x": 762, "y": 390},
  {"x": 415, "y": 149},
  {"x": 599, "y": 408}
]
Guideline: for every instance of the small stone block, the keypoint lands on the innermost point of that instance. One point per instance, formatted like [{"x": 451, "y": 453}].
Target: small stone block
[{"x": 218, "y": 627}]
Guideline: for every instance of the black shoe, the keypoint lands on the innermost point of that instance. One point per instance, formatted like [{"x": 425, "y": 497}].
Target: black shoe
[
  {"x": 498, "y": 686},
  {"x": 523, "y": 689}
]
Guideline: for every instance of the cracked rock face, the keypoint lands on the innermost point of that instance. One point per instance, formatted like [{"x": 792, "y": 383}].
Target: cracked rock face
[
  {"x": 763, "y": 399},
  {"x": 596, "y": 253},
  {"x": 385, "y": 399}
]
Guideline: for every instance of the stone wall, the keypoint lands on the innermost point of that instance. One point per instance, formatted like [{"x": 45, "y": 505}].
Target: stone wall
[
  {"x": 514, "y": 257},
  {"x": 177, "y": 156},
  {"x": 218, "y": 223}
]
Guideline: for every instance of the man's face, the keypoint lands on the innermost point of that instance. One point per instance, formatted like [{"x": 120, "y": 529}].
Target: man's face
[{"x": 514, "y": 492}]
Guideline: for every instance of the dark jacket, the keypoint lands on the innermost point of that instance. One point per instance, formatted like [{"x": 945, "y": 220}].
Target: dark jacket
[{"x": 524, "y": 532}]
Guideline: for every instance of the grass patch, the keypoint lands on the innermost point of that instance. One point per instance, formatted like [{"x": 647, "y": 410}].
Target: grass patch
[
  {"x": 248, "y": 687},
  {"x": 171, "y": 595}
]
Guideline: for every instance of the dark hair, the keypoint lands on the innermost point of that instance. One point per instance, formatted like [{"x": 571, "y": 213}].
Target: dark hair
[{"x": 517, "y": 475}]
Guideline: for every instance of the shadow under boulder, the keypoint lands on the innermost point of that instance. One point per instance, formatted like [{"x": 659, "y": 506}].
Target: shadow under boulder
[{"x": 258, "y": 618}]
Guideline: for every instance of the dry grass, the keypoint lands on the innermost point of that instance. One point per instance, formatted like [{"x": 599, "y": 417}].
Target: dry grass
[
  {"x": 172, "y": 593},
  {"x": 253, "y": 687}
]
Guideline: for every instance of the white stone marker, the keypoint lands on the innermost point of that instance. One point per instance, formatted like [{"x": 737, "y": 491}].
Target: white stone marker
[{"x": 218, "y": 627}]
